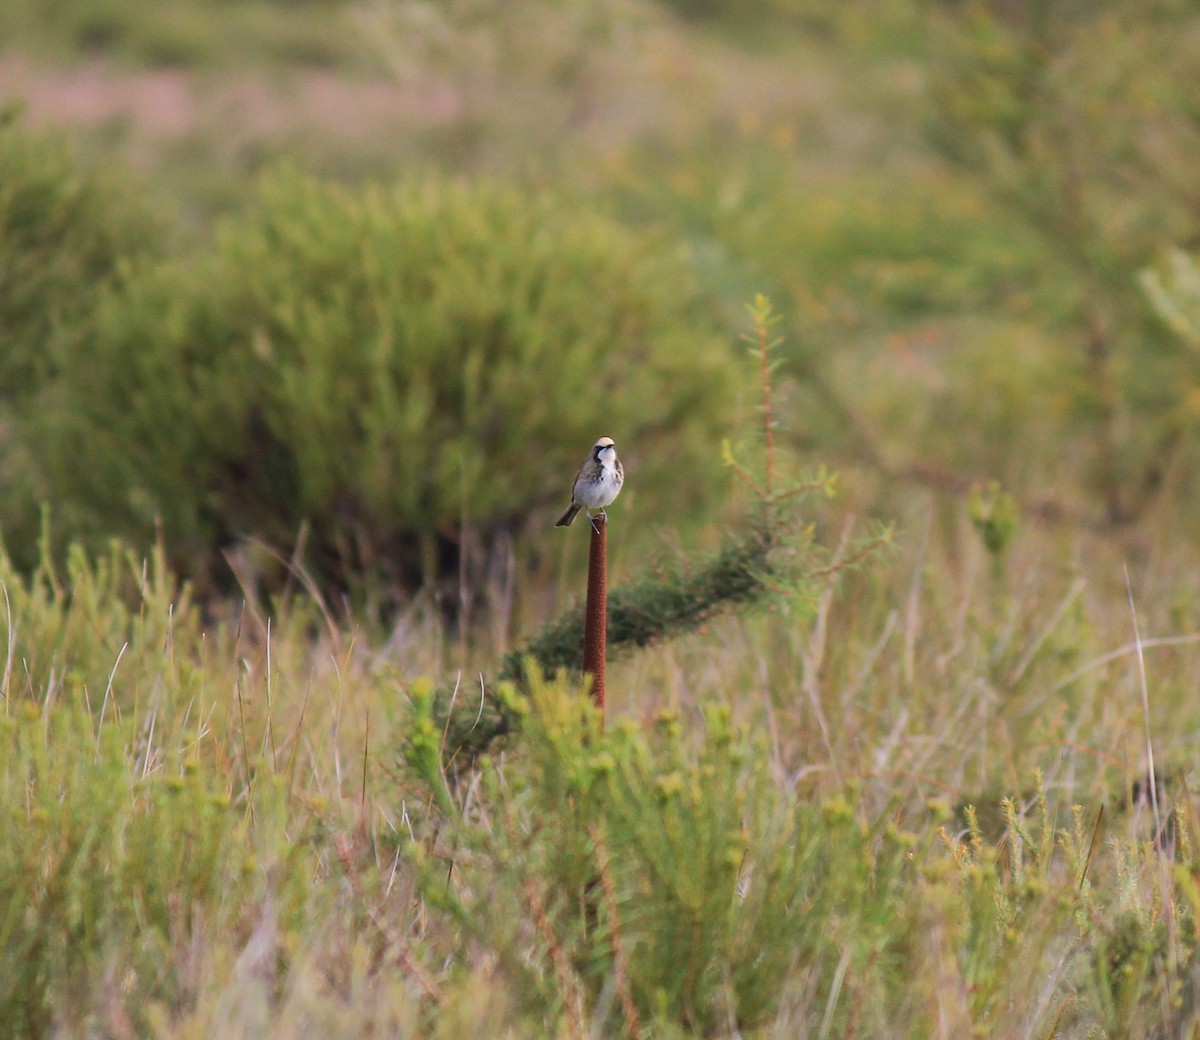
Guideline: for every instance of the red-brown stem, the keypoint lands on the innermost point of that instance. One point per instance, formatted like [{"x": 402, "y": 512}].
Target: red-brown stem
[{"x": 596, "y": 618}]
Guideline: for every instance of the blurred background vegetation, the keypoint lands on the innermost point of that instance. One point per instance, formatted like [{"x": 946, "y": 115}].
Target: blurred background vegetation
[{"x": 315, "y": 274}]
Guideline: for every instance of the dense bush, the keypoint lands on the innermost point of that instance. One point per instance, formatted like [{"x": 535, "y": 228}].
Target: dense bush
[
  {"x": 386, "y": 369},
  {"x": 65, "y": 230},
  {"x": 676, "y": 873},
  {"x": 63, "y": 233},
  {"x": 665, "y": 881}
]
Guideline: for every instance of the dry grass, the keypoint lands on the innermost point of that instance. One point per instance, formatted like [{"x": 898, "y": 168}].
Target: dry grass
[{"x": 323, "y": 889}]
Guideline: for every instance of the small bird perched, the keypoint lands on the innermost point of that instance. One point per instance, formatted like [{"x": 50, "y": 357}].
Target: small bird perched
[{"x": 597, "y": 483}]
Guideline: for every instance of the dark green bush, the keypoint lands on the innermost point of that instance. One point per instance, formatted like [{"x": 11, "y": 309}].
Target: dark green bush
[
  {"x": 386, "y": 368},
  {"x": 63, "y": 233}
]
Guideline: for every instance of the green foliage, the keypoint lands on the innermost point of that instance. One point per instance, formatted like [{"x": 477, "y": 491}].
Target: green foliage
[
  {"x": 389, "y": 369},
  {"x": 750, "y": 569},
  {"x": 771, "y": 559},
  {"x": 1071, "y": 117},
  {"x": 675, "y": 872},
  {"x": 64, "y": 232},
  {"x": 663, "y": 878},
  {"x": 912, "y": 300},
  {"x": 185, "y": 862},
  {"x": 145, "y": 813},
  {"x": 989, "y": 288},
  {"x": 660, "y": 606},
  {"x": 94, "y": 629},
  {"x": 993, "y": 512},
  {"x": 824, "y": 20},
  {"x": 99, "y": 863},
  {"x": 120, "y": 844}
]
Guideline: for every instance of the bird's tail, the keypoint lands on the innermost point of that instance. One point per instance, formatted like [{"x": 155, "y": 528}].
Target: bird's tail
[{"x": 568, "y": 516}]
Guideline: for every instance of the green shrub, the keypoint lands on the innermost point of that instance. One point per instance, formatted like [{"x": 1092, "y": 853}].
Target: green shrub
[
  {"x": 665, "y": 867},
  {"x": 98, "y": 864},
  {"x": 667, "y": 878},
  {"x": 94, "y": 628},
  {"x": 64, "y": 231},
  {"x": 389, "y": 368},
  {"x": 126, "y": 841}
]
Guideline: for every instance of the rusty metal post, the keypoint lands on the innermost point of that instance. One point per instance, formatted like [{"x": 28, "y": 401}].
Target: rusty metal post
[{"x": 595, "y": 631}]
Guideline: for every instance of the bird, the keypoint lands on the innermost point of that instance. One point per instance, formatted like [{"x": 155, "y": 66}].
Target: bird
[{"x": 597, "y": 483}]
